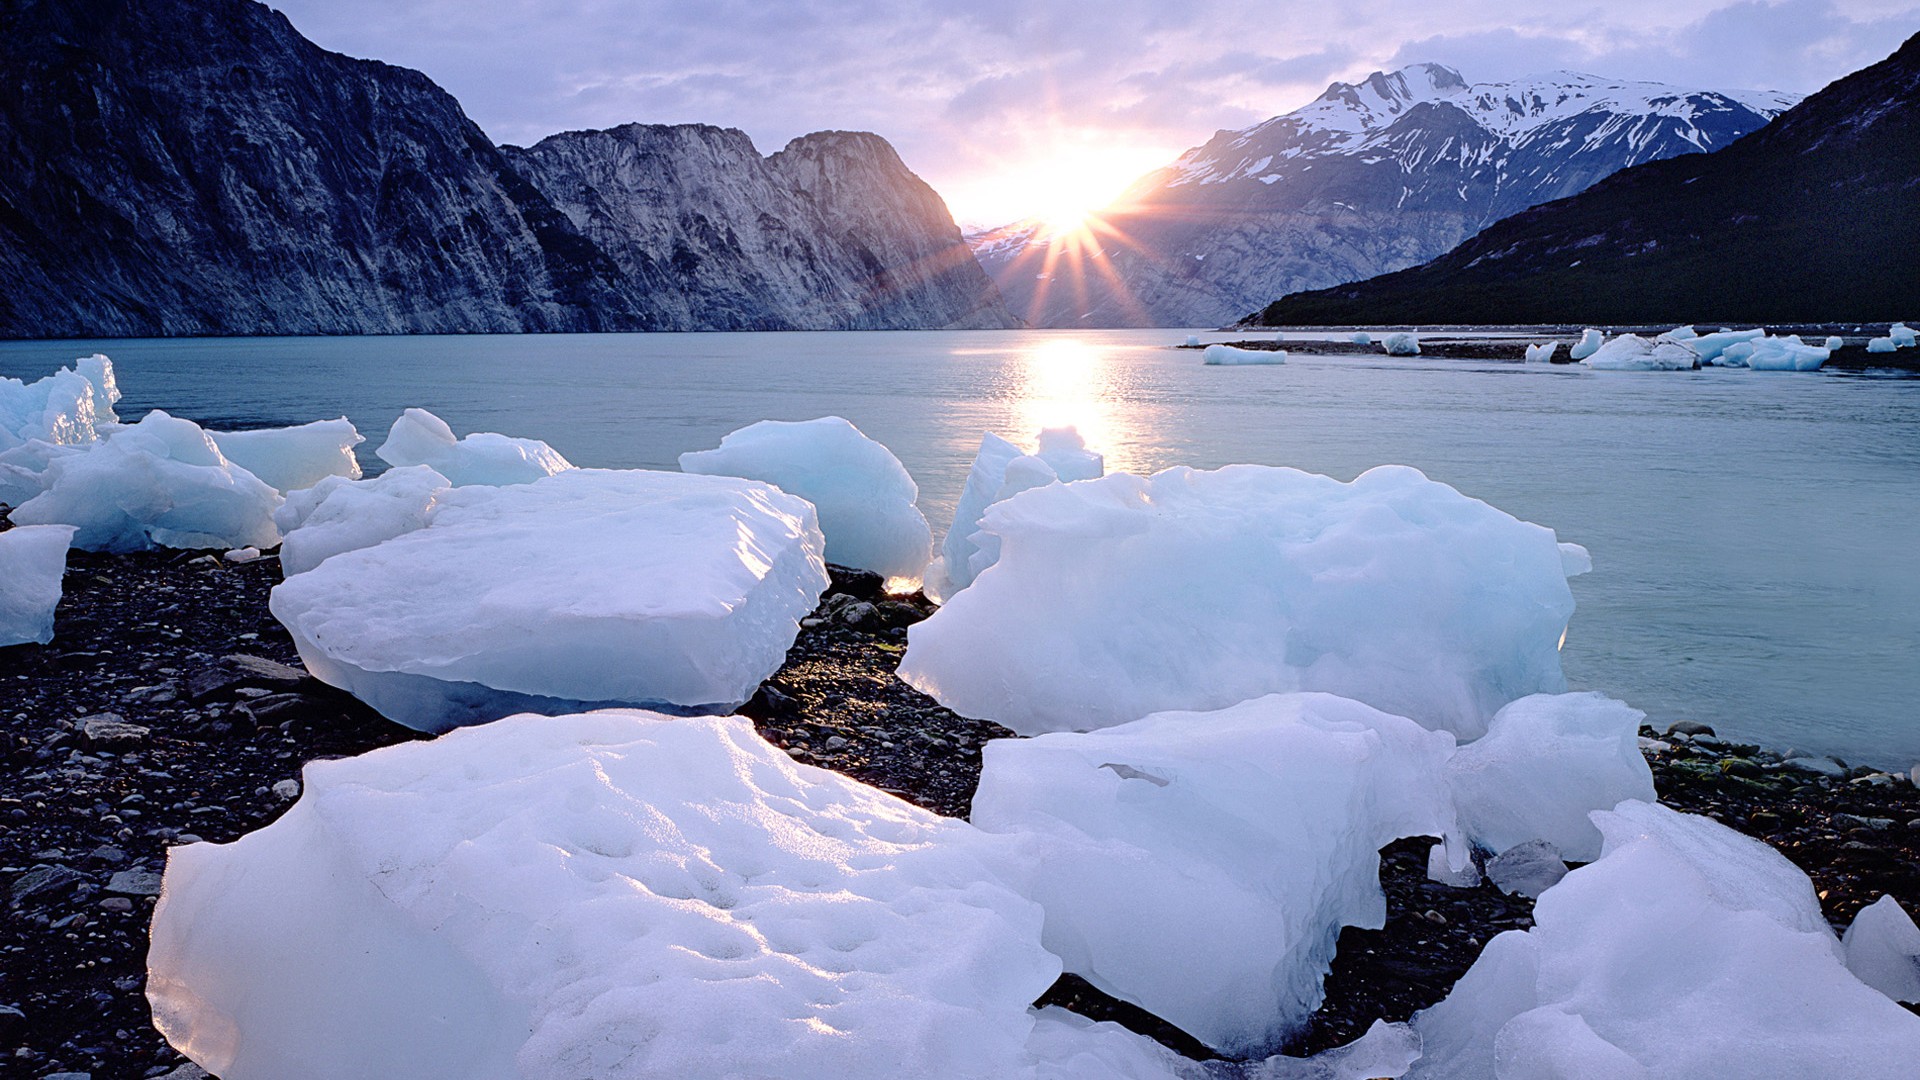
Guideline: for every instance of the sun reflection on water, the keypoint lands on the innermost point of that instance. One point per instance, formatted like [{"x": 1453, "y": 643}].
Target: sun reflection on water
[{"x": 1068, "y": 382}]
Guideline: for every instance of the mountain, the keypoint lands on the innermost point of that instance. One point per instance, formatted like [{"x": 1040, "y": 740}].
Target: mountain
[
  {"x": 1814, "y": 218},
  {"x": 173, "y": 167},
  {"x": 1370, "y": 177},
  {"x": 833, "y": 232}
]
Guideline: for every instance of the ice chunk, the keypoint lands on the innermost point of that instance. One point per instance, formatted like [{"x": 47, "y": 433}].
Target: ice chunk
[
  {"x": 33, "y": 560},
  {"x": 1000, "y": 471},
  {"x": 590, "y": 587},
  {"x": 1229, "y": 355},
  {"x": 1403, "y": 344},
  {"x": 1440, "y": 868},
  {"x": 1527, "y": 869},
  {"x": 1201, "y": 865},
  {"x": 1575, "y": 560},
  {"x": 1631, "y": 352},
  {"x": 1361, "y": 338},
  {"x": 1193, "y": 340},
  {"x": 40, "y": 420},
  {"x": 1880, "y": 345},
  {"x": 1686, "y": 951},
  {"x": 1833, "y": 343},
  {"x": 242, "y": 555},
  {"x": 1542, "y": 353},
  {"x": 617, "y": 896},
  {"x": 1132, "y": 595},
  {"x": 1902, "y": 335},
  {"x": 1544, "y": 763},
  {"x": 1679, "y": 333},
  {"x": 863, "y": 494},
  {"x": 1785, "y": 354},
  {"x": 293, "y": 458},
  {"x": 1710, "y": 347},
  {"x": 1589, "y": 343},
  {"x": 483, "y": 458},
  {"x": 1883, "y": 949},
  {"x": 158, "y": 483},
  {"x": 339, "y": 515}
]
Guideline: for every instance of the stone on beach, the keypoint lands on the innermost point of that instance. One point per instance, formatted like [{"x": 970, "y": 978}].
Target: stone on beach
[
  {"x": 33, "y": 565},
  {"x": 587, "y": 588},
  {"x": 483, "y": 458},
  {"x": 864, "y": 496}
]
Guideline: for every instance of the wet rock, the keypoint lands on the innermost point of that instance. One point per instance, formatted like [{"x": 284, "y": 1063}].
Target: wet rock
[
  {"x": 860, "y": 615},
  {"x": 119, "y": 905},
  {"x": 208, "y": 682},
  {"x": 135, "y": 883},
  {"x": 1820, "y": 766},
  {"x": 858, "y": 584},
  {"x": 110, "y": 730},
  {"x": 260, "y": 668},
  {"x": 1689, "y": 727},
  {"x": 1527, "y": 869},
  {"x": 894, "y": 613},
  {"x": 45, "y": 883},
  {"x": 189, "y": 1071}
]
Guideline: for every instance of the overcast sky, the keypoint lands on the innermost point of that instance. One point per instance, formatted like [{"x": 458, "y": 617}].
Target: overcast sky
[{"x": 987, "y": 99}]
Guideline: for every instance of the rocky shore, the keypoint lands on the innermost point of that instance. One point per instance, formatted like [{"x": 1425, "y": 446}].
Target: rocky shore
[
  {"x": 1441, "y": 345},
  {"x": 170, "y": 707}
]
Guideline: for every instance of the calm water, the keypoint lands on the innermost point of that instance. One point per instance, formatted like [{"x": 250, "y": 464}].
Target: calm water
[{"x": 1756, "y": 537}]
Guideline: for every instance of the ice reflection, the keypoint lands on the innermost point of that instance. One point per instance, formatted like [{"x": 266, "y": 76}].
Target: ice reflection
[{"x": 1071, "y": 382}]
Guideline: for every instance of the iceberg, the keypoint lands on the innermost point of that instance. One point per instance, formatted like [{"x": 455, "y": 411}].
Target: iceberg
[
  {"x": 1542, "y": 353},
  {"x": 1403, "y": 345},
  {"x": 584, "y": 589},
  {"x": 1361, "y": 338},
  {"x": 1589, "y": 343},
  {"x": 1193, "y": 341},
  {"x": 1785, "y": 354},
  {"x": 1880, "y": 345},
  {"x": 1131, "y": 595},
  {"x": 481, "y": 459},
  {"x": 159, "y": 483},
  {"x": 1546, "y": 761},
  {"x": 619, "y": 895},
  {"x": 1679, "y": 333},
  {"x": 339, "y": 514},
  {"x": 1902, "y": 335},
  {"x": 1882, "y": 949},
  {"x": 293, "y": 458},
  {"x": 863, "y": 494},
  {"x": 33, "y": 562},
  {"x": 1710, "y": 347},
  {"x": 1686, "y": 951},
  {"x": 1201, "y": 865},
  {"x": 1631, "y": 352},
  {"x": 44, "y": 419},
  {"x": 1000, "y": 471},
  {"x": 1833, "y": 344},
  {"x": 1229, "y": 355}
]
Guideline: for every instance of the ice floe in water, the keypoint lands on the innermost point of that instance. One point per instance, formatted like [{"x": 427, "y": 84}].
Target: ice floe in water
[
  {"x": 863, "y": 494},
  {"x": 338, "y": 514},
  {"x": 1201, "y": 865},
  {"x": 1902, "y": 335},
  {"x": 1882, "y": 947},
  {"x": 1546, "y": 761},
  {"x": 483, "y": 458},
  {"x": 1589, "y": 343},
  {"x": 1786, "y": 354},
  {"x": 614, "y": 895},
  {"x": 33, "y": 560},
  {"x": 1542, "y": 353},
  {"x": 1685, "y": 951},
  {"x": 1880, "y": 345},
  {"x": 293, "y": 458},
  {"x": 1631, "y": 352},
  {"x": 589, "y": 587},
  {"x": 159, "y": 483},
  {"x": 1403, "y": 344},
  {"x": 1230, "y": 355},
  {"x": 1132, "y": 595},
  {"x": 1000, "y": 471},
  {"x": 43, "y": 419}
]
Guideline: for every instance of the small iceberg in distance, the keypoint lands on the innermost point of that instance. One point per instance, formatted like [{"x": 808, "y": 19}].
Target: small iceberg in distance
[{"x": 1231, "y": 355}]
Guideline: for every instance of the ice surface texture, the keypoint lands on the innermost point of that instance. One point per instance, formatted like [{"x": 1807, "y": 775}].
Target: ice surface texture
[
  {"x": 33, "y": 560},
  {"x": 863, "y": 494},
  {"x": 1542, "y": 353},
  {"x": 1228, "y": 355},
  {"x": 1686, "y": 952},
  {"x": 1545, "y": 762},
  {"x": 1883, "y": 948},
  {"x": 1000, "y": 471},
  {"x": 615, "y": 895},
  {"x": 293, "y": 458},
  {"x": 1631, "y": 352},
  {"x": 339, "y": 515},
  {"x": 1403, "y": 344},
  {"x": 1201, "y": 865},
  {"x": 483, "y": 458},
  {"x": 69, "y": 408},
  {"x": 587, "y": 587},
  {"x": 1590, "y": 342},
  {"x": 1131, "y": 595},
  {"x": 159, "y": 483}
]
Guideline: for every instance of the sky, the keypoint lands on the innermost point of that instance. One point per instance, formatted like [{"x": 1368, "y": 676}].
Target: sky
[{"x": 1016, "y": 107}]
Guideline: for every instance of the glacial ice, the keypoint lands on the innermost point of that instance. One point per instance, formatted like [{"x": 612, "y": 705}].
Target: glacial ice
[
  {"x": 1631, "y": 352},
  {"x": 480, "y": 459},
  {"x": 1679, "y": 333},
  {"x": 1067, "y": 1046},
  {"x": 292, "y": 458},
  {"x": 1787, "y": 353},
  {"x": 1589, "y": 343},
  {"x": 1544, "y": 763},
  {"x": 1193, "y": 340},
  {"x": 1403, "y": 344},
  {"x": 41, "y": 420},
  {"x": 863, "y": 494},
  {"x": 1362, "y": 338},
  {"x": 1833, "y": 343},
  {"x": 339, "y": 514},
  {"x": 1528, "y": 868},
  {"x": 158, "y": 483},
  {"x": 1542, "y": 353},
  {"x": 1880, "y": 345},
  {"x": 586, "y": 588},
  {"x": 1709, "y": 347},
  {"x": 1267, "y": 816},
  {"x": 1882, "y": 949},
  {"x": 1903, "y": 336},
  {"x": 33, "y": 562},
  {"x": 1229, "y": 355},
  {"x": 1000, "y": 471},
  {"x": 1686, "y": 951},
  {"x": 1133, "y": 595},
  {"x": 617, "y": 895}
]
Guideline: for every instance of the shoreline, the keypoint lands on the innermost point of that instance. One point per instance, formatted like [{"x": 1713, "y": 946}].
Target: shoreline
[{"x": 180, "y": 646}]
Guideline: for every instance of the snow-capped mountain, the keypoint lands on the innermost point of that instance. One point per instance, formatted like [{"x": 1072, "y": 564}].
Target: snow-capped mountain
[{"x": 1368, "y": 178}]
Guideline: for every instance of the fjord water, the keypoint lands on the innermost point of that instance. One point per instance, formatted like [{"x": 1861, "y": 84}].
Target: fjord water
[{"x": 1756, "y": 536}]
